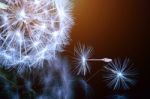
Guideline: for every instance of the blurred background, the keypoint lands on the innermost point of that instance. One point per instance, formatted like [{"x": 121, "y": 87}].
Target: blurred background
[{"x": 114, "y": 28}]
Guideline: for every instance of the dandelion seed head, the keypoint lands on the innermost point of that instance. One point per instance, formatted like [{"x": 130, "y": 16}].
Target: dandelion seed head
[{"x": 35, "y": 28}]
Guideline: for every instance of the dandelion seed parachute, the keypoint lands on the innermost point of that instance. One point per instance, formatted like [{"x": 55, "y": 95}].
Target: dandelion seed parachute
[
  {"x": 82, "y": 53},
  {"x": 32, "y": 31},
  {"x": 120, "y": 74}
]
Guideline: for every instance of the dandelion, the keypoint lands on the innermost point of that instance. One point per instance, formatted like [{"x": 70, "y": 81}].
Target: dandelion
[{"x": 28, "y": 27}]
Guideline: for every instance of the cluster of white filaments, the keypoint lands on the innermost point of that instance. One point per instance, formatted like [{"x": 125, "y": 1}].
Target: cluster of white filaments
[
  {"x": 119, "y": 74},
  {"x": 83, "y": 57},
  {"x": 32, "y": 31}
]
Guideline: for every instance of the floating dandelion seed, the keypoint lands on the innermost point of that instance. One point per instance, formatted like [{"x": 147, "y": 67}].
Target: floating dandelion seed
[
  {"x": 83, "y": 54},
  {"x": 32, "y": 31},
  {"x": 120, "y": 74}
]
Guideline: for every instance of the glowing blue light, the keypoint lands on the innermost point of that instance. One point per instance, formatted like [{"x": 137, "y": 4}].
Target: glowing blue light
[{"x": 119, "y": 74}]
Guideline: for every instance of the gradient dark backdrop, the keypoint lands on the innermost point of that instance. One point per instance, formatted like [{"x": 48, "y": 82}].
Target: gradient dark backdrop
[{"x": 115, "y": 28}]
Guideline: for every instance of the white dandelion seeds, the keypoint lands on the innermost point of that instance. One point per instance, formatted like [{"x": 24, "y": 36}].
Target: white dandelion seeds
[
  {"x": 32, "y": 31},
  {"x": 83, "y": 54},
  {"x": 120, "y": 74}
]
